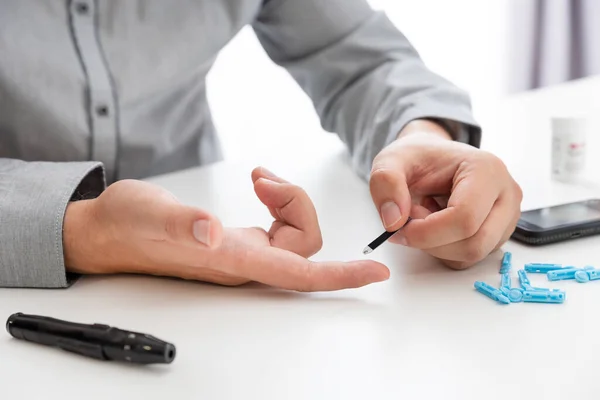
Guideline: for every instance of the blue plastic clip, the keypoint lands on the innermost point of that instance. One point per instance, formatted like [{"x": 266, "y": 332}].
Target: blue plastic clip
[
  {"x": 541, "y": 289},
  {"x": 515, "y": 295},
  {"x": 506, "y": 262},
  {"x": 523, "y": 279},
  {"x": 541, "y": 268},
  {"x": 593, "y": 274},
  {"x": 526, "y": 284},
  {"x": 491, "y": 292},
  {"x": 582, "y": 276},
  {"x": 536, "y": 296},
  {"x": 562, "y": 274},
  {"x": 505, "y": 281}
]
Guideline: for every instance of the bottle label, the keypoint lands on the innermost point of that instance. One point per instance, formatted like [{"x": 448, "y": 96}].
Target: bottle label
[{"x": 568, "y": 156}]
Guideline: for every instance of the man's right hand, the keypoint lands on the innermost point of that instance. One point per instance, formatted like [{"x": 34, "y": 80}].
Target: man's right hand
[{"x": 138, "y": 227}]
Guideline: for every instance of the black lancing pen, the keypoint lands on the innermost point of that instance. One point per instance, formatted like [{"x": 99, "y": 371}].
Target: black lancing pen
[{"x": 382, "y": 238}]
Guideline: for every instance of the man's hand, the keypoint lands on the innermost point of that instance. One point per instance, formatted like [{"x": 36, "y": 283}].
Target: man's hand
[
  {"x": 138, "y": 227},
  {"x": 464, "y": 202}
]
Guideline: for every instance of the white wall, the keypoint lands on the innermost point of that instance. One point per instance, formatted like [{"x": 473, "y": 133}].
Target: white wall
[{"x": 255, "y": 102}]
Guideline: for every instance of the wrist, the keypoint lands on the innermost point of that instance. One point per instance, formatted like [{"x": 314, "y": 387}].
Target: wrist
[
  {"x": 425, "y": 127},
  {"x": 79, "y": 233}
]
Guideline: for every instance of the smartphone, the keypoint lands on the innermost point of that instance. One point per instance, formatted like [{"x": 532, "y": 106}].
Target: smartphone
[{"x": 559, "y": 223}]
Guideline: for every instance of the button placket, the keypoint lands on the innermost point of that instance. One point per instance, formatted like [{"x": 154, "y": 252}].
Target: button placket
[{"x": 102, "y": 110}]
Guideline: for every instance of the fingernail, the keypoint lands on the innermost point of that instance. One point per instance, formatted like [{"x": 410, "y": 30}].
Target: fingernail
[
  {"x": 378, "y": 275},
  {"x": 390, "y": 213},
  {"x": 202, "y": 231},
  {"x": 267, "y": 173},
  {"x": 267, "y": 181}
]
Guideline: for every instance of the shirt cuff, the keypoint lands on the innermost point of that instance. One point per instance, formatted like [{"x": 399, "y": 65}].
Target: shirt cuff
[
  {"x": 33, "y": 255},
  {"x": 459, "y": 131},
  {"x": 460, "y": 125}
]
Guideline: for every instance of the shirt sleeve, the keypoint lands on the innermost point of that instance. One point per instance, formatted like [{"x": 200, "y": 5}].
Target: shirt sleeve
[
  {"x": 33, "y": 199},
  {"x": 364, "y": 78}
]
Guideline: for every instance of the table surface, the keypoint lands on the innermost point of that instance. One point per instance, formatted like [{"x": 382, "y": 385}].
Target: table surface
[{"x": 423, "y": 334}]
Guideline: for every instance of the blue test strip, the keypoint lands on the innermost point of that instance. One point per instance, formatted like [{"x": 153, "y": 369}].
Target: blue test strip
[
  {"x": 562, "y": 274},
  {"x": 541, "y": 268},
  {"x": 491, "y": 292},
  {"x": 506, "y": 262},
  {"x": 505, "y": 283},
  {"x": 536, "y": 296}
]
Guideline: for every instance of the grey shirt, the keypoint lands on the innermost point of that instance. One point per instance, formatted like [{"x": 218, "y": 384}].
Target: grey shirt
[{"x": 93, "y": 91}]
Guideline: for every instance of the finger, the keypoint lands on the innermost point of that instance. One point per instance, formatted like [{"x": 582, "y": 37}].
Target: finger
[
  {"x": 389, "y": 191},
  {"x": 191, "y": 225},
  {"x": 431, "y": 204},
  {"x": 441, "y": 201},
  {"x": 286, "y": 237},
  {"x": 463, "y": 264},
  {"x": 417, "y": 212},
  {"x": 509, "y": 231},
  {"x": 296, "y": 227},
  {"x": 290, "y": 202},
  {"x": 505, "y": 237},
  {"x": 262, "y": 172},
  {"x": 286, "y": 270},
  {"x": 474, "y": 249},
  {"x": 468, "y": 207}
]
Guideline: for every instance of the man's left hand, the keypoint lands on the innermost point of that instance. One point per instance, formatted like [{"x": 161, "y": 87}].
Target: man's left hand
[{"x": 463, "y": 201}]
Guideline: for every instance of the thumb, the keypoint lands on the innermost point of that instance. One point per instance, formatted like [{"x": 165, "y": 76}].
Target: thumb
[
  {"x": 185, "y": 224},
  {"x": 141, "y": 208},
  {"x": 389, "y": 191}
]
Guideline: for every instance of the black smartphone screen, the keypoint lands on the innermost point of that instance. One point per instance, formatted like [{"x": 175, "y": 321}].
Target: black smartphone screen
[{"x": 563, "y": 215}]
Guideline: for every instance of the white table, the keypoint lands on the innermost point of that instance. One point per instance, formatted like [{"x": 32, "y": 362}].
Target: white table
[{"x": 424, "y": 334}]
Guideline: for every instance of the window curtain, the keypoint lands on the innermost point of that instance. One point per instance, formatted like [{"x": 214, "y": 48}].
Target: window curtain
[{"x": 552, "y": 41}]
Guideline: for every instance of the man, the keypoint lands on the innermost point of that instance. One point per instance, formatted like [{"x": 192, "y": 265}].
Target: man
[{"x": 99, "y": 92}]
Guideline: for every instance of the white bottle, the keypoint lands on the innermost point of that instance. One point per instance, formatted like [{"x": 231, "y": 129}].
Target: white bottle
[{"x": 568, "y": 149}]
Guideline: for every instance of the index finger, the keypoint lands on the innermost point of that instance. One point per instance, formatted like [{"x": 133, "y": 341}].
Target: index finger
[
  {"x": 287, "y": 270},
  {"x": 468, "y": 206},
  {"x": 286, "y": 202}
]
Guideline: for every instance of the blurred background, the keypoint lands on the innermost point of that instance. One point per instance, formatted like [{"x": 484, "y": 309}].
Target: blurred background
[{"x": 492, "y": 49}]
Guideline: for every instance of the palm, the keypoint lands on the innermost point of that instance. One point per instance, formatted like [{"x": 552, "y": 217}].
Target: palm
[
  {"x": 279, "y": 257},
  {"x": 139, "y": 227}
]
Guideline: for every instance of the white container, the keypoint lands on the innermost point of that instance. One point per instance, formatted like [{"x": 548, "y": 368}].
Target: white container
[{"x": 568, "y": 148}]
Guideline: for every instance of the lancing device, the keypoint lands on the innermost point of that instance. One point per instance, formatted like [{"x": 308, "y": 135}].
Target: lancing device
[
  {"x": 96, "y": 341},
  {"x": 382, "y": 238}
]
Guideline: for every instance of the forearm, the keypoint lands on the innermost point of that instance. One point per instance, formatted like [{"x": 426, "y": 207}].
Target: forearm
[
  {"x": 33, "y": 199},
  {"x": 365, "y": 79}
]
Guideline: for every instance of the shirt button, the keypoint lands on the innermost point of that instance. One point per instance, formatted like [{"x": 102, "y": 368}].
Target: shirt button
[
  {"x": 102, "y": 110},
  {"x": 82, "y": 8}
]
